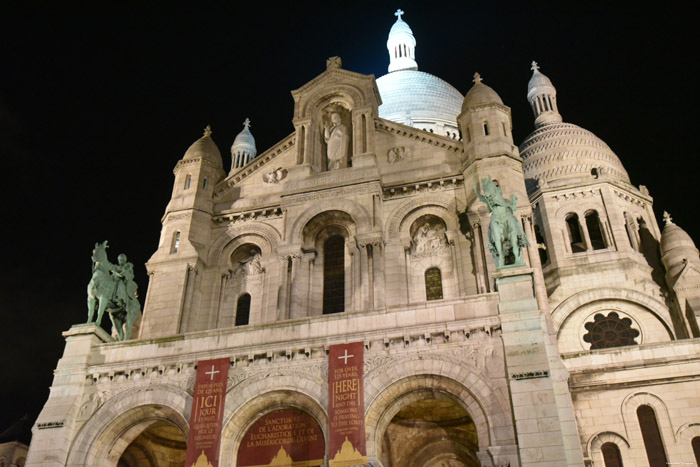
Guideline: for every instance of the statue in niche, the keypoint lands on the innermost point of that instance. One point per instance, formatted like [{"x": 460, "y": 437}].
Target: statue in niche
[
  {"x": 429, "y": 238},
  {"x": 112, "y": 289},
  {"x": 336, "y": 137},
  {"x": 251, "y": 265},
  {"x": 506, "y": 236}
]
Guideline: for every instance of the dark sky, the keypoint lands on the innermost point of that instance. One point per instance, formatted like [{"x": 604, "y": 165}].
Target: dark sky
[{"x": 98, "y": 103}]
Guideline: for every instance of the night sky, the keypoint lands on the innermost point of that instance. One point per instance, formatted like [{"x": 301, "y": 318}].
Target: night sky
[{"x": 98, "y": 103}]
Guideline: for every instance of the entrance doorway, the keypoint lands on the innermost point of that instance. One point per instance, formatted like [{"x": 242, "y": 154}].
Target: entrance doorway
[
  {"x": 160, "y": 444},
  {"x": 431, "y": 432}
]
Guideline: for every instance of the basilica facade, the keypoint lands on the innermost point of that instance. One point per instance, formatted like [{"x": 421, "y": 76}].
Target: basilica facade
[{"x": 572, "y": 342}]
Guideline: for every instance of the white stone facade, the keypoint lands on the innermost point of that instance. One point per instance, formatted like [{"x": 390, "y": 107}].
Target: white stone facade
[{"x": 507, "y": 350}]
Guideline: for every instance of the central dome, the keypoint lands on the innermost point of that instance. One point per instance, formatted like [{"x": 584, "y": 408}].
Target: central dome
[{"x": 419, "y": 99}]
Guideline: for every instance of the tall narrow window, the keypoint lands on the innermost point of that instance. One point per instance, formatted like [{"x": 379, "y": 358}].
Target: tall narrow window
[
  {"x": 243, "y": 310},
  {"x": 595, "y": 233},
  {"x": 334, "y": 275},
  {"x": 575, "y": 237},
  {"x": 652, "y": 437},
  {"x": 541, "y": 245},
  {"x": 204, "y": 183},
  {"x": 433, "y": 284},
  {"x": 611, "y": 455},
  {"x": 176, "y": 243},
  {"x": 486, "y": 129},
  {"x": 188, "y": 181},
  {"x": 695, "y": 443}
]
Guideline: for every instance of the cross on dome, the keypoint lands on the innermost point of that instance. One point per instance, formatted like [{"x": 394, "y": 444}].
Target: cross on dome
[
  {"x": 667, "y": 218},
  {"x": 207, "y": 131},
  {"x": 477, "y": 78},
  {"x": 246, "y": 123},
  {"x": 535, "y": 66},
  {"x": 398, "y": 13}
]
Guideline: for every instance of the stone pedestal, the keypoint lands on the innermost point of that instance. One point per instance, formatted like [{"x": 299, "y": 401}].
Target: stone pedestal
[
  {"x": 55, "y": 427},
  {"x": 544, "y": 420}
]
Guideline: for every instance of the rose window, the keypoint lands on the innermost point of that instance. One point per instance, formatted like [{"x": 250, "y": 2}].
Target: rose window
[{"x": 610, "y": 331}]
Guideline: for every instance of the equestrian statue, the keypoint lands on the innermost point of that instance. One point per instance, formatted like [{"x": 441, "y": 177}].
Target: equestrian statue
[
  {"x": 112, "y": 288},
  {"x": 506, "y": 236}
]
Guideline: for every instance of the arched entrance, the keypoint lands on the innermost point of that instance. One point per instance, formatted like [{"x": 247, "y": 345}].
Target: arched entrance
[
  {"x": 160, "y": 444},
  {"x": 432, "y": 431}
]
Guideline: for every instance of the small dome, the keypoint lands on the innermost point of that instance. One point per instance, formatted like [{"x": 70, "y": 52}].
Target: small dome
[
  {"x": 413, "y": 98},
  {"x": 244, "y": 141},
  {"x": 676, "y": 248},
  {"x": 204, "y": 148},
  {"x": 480, "y": 94},
  {"x": 401, "y": 46},
  {"x": 537, "y": 80},
  {"x": 561, "y": 153},
  {"x": 243, "y": 149}
]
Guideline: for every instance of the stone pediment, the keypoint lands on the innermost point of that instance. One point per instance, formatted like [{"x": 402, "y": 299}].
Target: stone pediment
[{"x": 360, "y": 90}]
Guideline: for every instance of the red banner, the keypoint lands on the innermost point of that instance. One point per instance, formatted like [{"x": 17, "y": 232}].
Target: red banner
[
  {"x": 207, "y": 413},
  {"x": 285, "y": 438},
  {"x": 346, "y": 405}
]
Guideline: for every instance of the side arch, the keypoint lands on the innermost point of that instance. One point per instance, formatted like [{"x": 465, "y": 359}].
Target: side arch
[
  {"x": 122, "y": 418},
  {"x": 442, "y": 206},
  {"x": 346, "y": 93},
  {"x": 268, "y": 240},
  {"x": 629, "y": 415},
  {"x": 390, "y": 387}
]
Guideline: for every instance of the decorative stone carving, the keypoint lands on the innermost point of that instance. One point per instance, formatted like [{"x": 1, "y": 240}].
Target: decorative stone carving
[
  {"x": 429, "y": 239},
  {"x": 398, "y": 154},
  {"x": 251, "y": 265},
  {"x": 333, "y": 63},
  {"x": 275, "y": 176},
  {"x": 506, "y": 236}
]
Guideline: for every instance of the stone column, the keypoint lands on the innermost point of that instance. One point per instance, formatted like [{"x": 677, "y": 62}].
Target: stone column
[
  {"x": 56, "y": 426},
  {"x": 364, "y": 303},
  {"x": 296, "y": 287},
  {"x": 542, "y": 409}
]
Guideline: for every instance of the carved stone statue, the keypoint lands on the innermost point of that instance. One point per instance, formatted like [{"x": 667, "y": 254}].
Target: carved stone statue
[
  {"x": 112, "y": 288},
  {"x": 336, "y": 138},
  {"x": 274, "y": 176},
  {"x": 506, "y": 235},
  {"x": 251, "y": 265}
]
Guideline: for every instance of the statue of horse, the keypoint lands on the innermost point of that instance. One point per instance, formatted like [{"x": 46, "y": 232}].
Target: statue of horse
[
  {"x": 104, "y": 292},
  {"x": 506, "y": 235}
]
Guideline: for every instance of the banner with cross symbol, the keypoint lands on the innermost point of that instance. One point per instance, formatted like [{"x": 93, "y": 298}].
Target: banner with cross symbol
[
  {"x": 207, "y": 412},
  {"x": 346, "y": 405}
]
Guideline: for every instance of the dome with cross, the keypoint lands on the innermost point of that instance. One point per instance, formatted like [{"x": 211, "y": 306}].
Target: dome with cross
[{"x": 413, "y": 97}]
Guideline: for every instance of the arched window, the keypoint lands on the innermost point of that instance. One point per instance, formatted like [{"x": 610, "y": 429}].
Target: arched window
[
  {"x": 595, "y": 233},
  {"x": 652, "y": 437},
  {"x": 188, "y": 181},
  {"x": 695, "y": 443},
  {"x": 176, "y": 243},
  {"x": 433, "y": 284},
  {"x": 575, "y": 237},
  {"x": 204, "y": 183},
  {"x": 334, "y": 275},
  {"x": 611, "y": 455},
  {"x": 243, "y": 310}
]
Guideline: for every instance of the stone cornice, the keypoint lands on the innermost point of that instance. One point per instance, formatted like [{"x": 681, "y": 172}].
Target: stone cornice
[{"x": 421, "y": 136}]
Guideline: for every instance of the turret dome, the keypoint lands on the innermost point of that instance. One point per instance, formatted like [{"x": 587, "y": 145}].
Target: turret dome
[
  {"x": 480, "y": 94},
  {"x": 677, "y": 249},
  {"x": 243, "y": 149},
  {"x": 204, "y": 148},
  {"x": 558, "y": 153}
]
